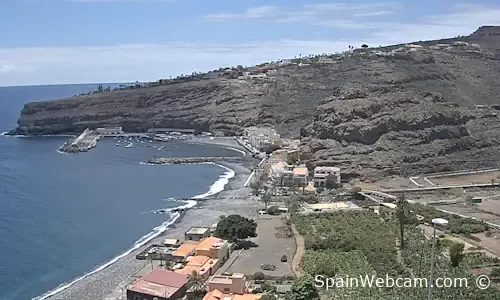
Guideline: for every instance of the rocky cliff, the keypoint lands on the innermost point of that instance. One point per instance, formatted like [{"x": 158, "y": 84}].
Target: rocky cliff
[{"x": 429, "y": 110}]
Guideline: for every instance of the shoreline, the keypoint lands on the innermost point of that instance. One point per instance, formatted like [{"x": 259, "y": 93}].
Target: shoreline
[{"x": 110, "y": 279}]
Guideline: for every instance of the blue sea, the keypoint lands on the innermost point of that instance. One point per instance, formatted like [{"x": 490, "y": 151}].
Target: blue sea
[{"x": 63, "y": 215}]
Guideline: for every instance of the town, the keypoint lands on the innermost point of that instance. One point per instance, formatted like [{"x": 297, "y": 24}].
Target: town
[{"x": 313, "y": 222}]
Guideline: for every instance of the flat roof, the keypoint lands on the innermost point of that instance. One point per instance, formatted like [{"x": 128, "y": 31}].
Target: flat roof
[
  {"x": 198, "y": 260},
  {"x": 170, "y": 241},
  {"x": 327, "y": 168},
  {"x": 390, "y": 205},
  {"x": 184, "y": 250},
  {"x": 154, "y": 289},
  {"x": 211, "y": 242},
  {"x": 335, "y": 205},
  {"x": 159, "y": 282},
  {"x": 300, "y": 171},
  {"x": 198, "y": 230}
]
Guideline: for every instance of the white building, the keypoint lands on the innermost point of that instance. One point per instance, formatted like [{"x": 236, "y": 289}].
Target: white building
[
  {"x": 300, "y": 175},
  {"x": 281, "y": 173},
  {"x": 399, "y": 51},
  {"x": 109, "y": 130},
  {"x": 321, "y": 173},
  {"x": 285, "y": 62},
  {"x": 326, "y": 60}
]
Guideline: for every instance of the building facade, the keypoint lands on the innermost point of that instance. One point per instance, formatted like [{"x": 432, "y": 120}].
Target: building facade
[
  {"x": 234, "y": 284},
  {"x": 159, "y": 284},
  {"x": 197, "y": 233},
  {"x": 321, "y": 174}
]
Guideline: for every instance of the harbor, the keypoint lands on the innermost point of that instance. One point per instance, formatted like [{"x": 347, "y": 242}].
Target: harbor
[{"x": 89, "y": 137}]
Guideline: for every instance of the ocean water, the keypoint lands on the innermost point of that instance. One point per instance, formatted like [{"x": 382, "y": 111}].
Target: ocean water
[{"x": 64, "y": 215}]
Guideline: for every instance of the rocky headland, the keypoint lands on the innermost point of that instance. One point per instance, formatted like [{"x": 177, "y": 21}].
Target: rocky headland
[{"x": 434, "y": 109}]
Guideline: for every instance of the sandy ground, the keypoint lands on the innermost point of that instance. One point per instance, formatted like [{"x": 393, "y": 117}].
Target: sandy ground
[
  {"x": 467, "y": 179},
  {"x": 271, "y": 247},
  {"x": 112, "y": 281}
]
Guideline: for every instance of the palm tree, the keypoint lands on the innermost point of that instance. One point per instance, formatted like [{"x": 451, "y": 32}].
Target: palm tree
[
  {"x": 196, "y": 285},
  {"x": 266, "y": 198},
  {"x": 401, "y": 215}
]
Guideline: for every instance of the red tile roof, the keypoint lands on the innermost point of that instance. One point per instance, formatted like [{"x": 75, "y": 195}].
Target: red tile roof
[{"x": 165, "y": 277}]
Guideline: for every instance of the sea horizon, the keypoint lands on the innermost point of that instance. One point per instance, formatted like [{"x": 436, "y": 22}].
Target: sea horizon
[{"x": 63, "y": 204}]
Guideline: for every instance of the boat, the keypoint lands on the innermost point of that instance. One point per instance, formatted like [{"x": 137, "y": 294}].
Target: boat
[
  {"x": 117, "y": 144},
  {"x": 129, "y": 145}
]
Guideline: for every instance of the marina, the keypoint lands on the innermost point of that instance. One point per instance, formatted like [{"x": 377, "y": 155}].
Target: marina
[{"x": 88, "y": 138}]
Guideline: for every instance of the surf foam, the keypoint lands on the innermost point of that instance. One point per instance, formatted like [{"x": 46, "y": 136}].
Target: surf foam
[
  {"x": 139, "y": 243},
  {"x": 215, "y": 188},
  {"x": 219, "y": 185}
]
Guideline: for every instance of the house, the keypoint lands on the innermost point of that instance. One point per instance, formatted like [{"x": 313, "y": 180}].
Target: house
[
  {"x": 199, "y": 264},
  {"x": 326, "y": 60},
  {"x": 244, "y": 75},
  {"x": 184, "y": 251},
  {"x": 109, "y": 130},
  {"x": 258, "y": 76},
  {"x": 197, "y": 233},
  {"x": 281, "y": 172},
  {"x": 214, "y": 248},
  {"x": 158, "y": 284},
  {"x": 399, "y": 51},
  {"x": 234, "y": 284},
  {"x": 442, "y": 46},
  {"x": 321, "y": 173},
  {"x": 218, "y": 295},
  {"x": 460, "y": 44},
  {"x": 300, "y": 176},
  {"x": 174, "y": 243},
  {"x": 414, "y": 46},
  {"x": 271, "y": 72},
  {"x": 285, "y": 62}
]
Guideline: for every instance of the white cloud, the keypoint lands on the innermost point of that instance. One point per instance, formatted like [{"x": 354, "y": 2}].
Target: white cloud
[
  {"x": 144, "y": 62},
  {"x": 309, "y": 12}
]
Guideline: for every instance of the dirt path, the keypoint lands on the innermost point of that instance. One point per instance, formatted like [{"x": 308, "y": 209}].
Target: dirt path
[{"x": 299, "y": 252}]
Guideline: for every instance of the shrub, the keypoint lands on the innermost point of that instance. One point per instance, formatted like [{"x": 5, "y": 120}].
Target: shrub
[
  {"x": 273, "y": 210},
  {"x": 266, "y": 287},
  {"x": 258, "y": 276},
  {"x": 495, "y": 273},
  {"x": 284, "y": 258}
]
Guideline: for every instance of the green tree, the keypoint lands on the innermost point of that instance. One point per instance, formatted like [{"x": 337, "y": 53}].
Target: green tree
[
  {"x": 331, "y": 182},
  {"x": 304, "y": 289},
  {"x": 266, "y": 199},
  {"x": 456, "y": 254},
  {"x": 196, "y": 285},
  {"x": 401, "y": 215},
  {"x": 271, "y": 148},
  {"x": 292, "y": 159},
  {"x": 268, "y": 297},
  {"x": 236, "y": 227},
  {"x": 495, "y": 273},
  {"x": 255, "y": 186}
]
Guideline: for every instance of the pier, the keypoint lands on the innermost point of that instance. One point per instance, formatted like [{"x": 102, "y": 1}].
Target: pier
[{"x": 83, "y": 143}]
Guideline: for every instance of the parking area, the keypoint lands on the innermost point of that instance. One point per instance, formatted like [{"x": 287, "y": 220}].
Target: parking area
[{"x": 273, "y": 240}]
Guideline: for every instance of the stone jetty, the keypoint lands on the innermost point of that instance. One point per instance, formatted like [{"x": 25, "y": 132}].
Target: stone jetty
[{"x": 83, "y": 143}]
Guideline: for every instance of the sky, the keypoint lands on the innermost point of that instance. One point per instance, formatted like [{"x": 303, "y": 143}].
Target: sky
[{"x": 88, "y": 41}]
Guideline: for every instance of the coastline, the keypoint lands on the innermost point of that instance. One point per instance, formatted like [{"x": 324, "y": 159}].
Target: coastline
[{"x": 109, "y": 280}]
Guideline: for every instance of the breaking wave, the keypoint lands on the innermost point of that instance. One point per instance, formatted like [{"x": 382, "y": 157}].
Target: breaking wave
[{"x": 215, "y": 188}]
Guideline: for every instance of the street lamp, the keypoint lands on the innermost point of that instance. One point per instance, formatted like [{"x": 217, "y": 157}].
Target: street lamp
[{"x": 441, "y": 222}]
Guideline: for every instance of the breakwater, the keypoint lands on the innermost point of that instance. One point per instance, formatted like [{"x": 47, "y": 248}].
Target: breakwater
[
  {"x": 190, "y": 160},
  {"x": 83, "y": 143}
]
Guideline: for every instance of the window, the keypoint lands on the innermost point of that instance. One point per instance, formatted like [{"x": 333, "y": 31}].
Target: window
[{"x": 226, "y": 289}]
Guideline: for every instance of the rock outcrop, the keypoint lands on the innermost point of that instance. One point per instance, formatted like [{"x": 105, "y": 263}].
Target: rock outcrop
[{"x": 429, "y": 110}]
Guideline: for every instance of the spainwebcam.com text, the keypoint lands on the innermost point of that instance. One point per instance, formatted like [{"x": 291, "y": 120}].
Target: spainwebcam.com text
[{"x": 373, "y": 281}]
